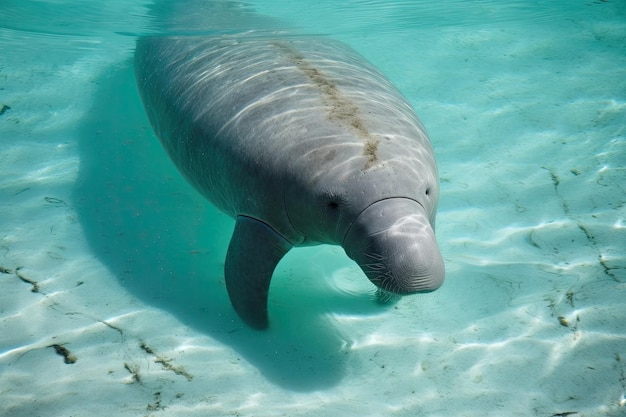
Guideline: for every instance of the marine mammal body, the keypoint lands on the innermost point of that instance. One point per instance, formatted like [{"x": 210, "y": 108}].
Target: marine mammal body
[{"x": 303, "y": 142}]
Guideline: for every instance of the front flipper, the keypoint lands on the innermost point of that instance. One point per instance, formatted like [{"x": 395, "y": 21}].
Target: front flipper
[{"x": 254, "y": 251}]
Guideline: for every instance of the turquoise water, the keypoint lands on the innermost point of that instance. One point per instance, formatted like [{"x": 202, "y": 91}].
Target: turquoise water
[{"x": 525, "y": 103}]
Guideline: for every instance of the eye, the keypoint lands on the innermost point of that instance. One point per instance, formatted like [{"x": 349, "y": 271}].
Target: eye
[
  {"x": 428, "y": 191},
  {"x": 333, "y": 201}
]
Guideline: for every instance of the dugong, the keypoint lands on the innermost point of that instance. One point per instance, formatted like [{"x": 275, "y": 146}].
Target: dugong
[{"x": 303, "y": 142}]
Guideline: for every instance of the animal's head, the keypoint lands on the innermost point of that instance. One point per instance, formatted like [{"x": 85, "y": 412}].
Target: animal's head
[{"x": 384, "y": 218}]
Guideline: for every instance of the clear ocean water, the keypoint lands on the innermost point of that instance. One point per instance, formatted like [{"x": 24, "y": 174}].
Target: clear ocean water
[{"x": 112, "y": 299}]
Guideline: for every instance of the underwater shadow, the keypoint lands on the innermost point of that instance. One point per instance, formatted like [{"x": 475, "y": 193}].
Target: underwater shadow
[{"x": 166, "y": 245}]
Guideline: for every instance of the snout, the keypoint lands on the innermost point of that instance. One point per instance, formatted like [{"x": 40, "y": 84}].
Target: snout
[{"x": 394, "y": 244}]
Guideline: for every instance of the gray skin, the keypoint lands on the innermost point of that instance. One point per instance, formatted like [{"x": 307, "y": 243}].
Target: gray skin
[{"x": 303, "y": 142}]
